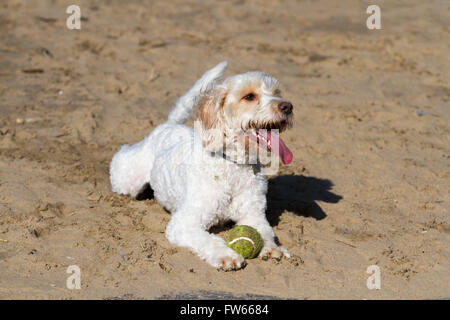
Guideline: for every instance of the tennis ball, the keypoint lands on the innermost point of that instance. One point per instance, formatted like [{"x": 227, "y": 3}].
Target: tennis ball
[{"x": 245, "y": 240}]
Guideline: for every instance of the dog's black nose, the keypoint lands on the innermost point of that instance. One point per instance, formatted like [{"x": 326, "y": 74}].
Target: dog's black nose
[{"x": 285, "y": 107}]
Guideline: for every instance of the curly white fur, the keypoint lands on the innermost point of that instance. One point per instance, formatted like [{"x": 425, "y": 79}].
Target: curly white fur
[{"x": 189, "y": 176}]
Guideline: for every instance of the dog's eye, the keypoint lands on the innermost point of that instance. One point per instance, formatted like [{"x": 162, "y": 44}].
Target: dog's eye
[{"x": 250, "y": 97}]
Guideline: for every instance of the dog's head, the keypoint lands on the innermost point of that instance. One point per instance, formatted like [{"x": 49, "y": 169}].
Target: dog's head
[{"x": 243, "y": 113}]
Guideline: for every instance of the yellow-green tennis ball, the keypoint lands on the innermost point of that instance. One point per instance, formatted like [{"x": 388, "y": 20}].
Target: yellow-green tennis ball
[{"x": 245, "y": 240}]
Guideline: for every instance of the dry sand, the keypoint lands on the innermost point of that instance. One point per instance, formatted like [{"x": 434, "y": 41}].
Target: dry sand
[{"x": 370, "y": 180}]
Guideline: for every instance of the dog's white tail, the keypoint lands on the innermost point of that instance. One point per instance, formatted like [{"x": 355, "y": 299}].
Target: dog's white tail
[{"x": 184, "y": 105}]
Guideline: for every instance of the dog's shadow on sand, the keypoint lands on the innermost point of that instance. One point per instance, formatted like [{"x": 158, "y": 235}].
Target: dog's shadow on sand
[
  {"x": 294, "y": 193},
  {"x": 298, "y": 194},
  {"x": 146, "y": 193}
]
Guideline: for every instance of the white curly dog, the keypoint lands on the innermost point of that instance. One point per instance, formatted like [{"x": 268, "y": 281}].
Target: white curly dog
[{"x": 211, "y": 173}]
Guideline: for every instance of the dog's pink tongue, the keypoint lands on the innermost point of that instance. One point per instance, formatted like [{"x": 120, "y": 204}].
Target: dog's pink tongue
[{"x": 277, "y": 145}]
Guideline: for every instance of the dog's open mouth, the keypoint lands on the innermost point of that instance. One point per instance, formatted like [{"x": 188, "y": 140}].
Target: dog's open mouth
[{"x": 269, "y": 139}]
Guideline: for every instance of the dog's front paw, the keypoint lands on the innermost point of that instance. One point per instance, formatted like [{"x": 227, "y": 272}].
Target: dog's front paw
[
  {"x": 230, "y": 261},
  {"x": 276, "y": 253}
]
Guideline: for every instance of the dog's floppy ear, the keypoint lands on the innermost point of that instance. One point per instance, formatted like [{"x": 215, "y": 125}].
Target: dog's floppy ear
[{"x": 210, "y": 119}]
